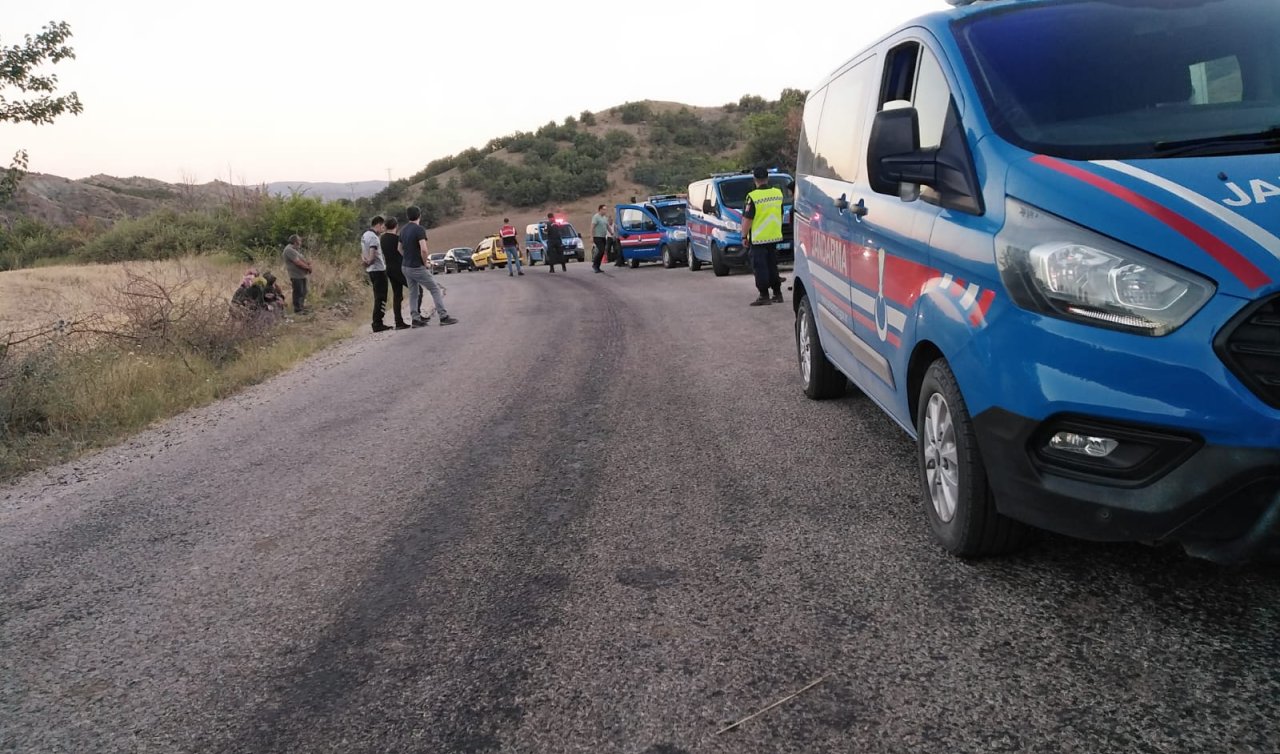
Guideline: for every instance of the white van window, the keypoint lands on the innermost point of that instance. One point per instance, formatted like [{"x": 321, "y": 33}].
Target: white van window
[
  {"x": 635, "y": 220},
  {"x": 840, "y": 128}
]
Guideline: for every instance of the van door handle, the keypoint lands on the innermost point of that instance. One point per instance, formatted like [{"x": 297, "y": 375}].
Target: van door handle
[
  {"x": 860, "y": 209},
  {"x": 842, "y": 203}
]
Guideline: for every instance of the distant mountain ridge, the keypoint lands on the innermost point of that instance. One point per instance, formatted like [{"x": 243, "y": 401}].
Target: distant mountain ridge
[{"x": 328, "y": 191}]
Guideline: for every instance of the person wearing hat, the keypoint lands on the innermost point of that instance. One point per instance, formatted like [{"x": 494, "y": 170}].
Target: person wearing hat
[
  {"x": 761, "y": 234},
  {"x": 555, "y": 246}
]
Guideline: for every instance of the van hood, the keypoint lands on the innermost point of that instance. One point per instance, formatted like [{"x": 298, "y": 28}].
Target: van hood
[{"x": 1219, "y": 216}]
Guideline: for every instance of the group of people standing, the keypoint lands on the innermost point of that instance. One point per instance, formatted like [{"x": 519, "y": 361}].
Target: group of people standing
[{"x": 397, "y": 257}]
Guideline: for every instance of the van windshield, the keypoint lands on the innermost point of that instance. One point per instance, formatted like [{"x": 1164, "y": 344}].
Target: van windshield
[
  {"x": 671, "y": 214},
  {"x": 733, "y": 192},
  {"x": 1116, "y": 79}
]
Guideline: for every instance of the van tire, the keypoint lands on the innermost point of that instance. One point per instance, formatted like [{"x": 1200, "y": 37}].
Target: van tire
[
  {"x": 634, "y": 263},
  {"x": 667, "y": 261},
  {"x": 718, "y": 265},
  {"x": 822, "y": 381},
  {"x": 695, "y": 264},
  {"x": 975, "y": 528}
]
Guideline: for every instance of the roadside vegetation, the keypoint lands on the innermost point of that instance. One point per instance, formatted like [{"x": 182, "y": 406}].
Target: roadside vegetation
[{"x": 141, "y": 342}]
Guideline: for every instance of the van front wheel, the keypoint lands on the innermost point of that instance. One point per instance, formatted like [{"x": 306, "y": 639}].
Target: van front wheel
[
  {"x": 718, "y": 265},
  {"x": 667, "y": 261},
  {"x": 957, "y": 498},
  {"x": 695, "y": 264}
]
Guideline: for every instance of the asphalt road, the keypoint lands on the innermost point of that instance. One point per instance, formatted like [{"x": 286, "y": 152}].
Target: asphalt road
[{"x": 596, "y": 516}]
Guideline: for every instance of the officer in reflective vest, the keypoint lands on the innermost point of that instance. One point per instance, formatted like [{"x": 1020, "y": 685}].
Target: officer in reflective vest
[
  {"x": 761, "y": 233},
  {"x": 512, "y": 247}
]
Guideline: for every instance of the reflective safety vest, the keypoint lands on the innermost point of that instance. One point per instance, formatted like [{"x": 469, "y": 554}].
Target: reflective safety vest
[
  {"x": 766, "y": 226},
  {"x": 508, "y": 234}
]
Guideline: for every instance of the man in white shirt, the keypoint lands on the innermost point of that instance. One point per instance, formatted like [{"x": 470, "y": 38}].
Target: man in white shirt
[{"x": 376, "y": 265}]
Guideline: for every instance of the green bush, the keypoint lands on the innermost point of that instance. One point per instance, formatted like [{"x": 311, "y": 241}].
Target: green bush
[
  {"x": 587, "y": 118},
  {"x": 29, "y": 241},
  {"x": 634, "y": 112}
]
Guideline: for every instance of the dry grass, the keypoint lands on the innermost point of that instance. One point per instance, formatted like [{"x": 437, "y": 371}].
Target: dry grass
[{"x": 146, "y": 341}]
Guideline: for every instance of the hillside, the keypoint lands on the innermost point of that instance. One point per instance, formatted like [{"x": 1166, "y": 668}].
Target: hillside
[
  {"x": 632, "y": 150},
  {"x": 102, "y": 198},
  {"x": 328, "y": 191}
]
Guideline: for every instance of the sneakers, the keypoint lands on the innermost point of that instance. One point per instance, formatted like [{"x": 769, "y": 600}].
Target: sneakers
[
  {"x": 553, "y": 270},
  {"x": 421, "y": 322},
  {"x": 401, "y": 326},
  {"x": 380, "y": 327},
  {"x": 447, "y": 320},
  {"x": 520, "y": 272},
  {"x": 762, "y": 301},
  {"x": 777, "y": 298}
]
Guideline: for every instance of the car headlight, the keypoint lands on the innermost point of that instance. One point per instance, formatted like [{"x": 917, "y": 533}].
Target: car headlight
[
  {"x": 1056, "y": 267},
  {"x": 679, "y": 235}
]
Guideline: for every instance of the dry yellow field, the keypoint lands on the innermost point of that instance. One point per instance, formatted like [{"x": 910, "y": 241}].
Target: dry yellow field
[{"x": 37, "y": 298}]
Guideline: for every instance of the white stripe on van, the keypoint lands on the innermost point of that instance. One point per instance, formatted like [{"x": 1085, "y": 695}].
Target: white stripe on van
[
  {"x": 895, "y": 319},
  {"x": 969, "y": 297},
  {"x": 1253, "y": 231},
  {"x": 842, "y": 287}
]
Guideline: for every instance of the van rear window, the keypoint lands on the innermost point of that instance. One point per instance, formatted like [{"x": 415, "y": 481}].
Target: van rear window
[{"x": 734, "y": 191}]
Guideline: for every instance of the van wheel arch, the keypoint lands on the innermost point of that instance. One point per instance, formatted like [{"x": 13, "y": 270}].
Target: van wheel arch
[{"x": 924, "y": 355}]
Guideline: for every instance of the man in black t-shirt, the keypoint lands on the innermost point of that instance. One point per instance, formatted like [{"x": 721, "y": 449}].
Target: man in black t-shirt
[
  {"x": 555, "y": 246},
  {"x": 390, "y": 242},
  {"x": 413, "y": 247}
]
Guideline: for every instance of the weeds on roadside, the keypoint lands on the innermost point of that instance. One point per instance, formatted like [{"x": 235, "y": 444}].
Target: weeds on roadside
[{"x": 164, "y": 340}]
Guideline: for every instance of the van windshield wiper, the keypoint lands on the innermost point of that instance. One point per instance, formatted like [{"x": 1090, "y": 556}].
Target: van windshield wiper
[{"x": 1248, "y": 142}]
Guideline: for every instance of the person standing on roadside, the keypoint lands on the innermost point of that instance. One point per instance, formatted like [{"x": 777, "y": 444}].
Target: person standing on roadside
[
  {"x": 413, "y": 247},
  {"x": 395, "y": 275},
  {"x": 299, "y": 270},
  {"x": 555, "y": 246},
  {"x": 761, "y": 234},
  {"x": 599, "y": 237},
  {"x": 376, "y": 265},
  {"x": 615, "y": 248},
  {"x": 511, "y": 246}
]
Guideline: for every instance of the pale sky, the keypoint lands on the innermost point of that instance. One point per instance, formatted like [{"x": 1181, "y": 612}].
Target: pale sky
[{"x": 279, "y": 90}]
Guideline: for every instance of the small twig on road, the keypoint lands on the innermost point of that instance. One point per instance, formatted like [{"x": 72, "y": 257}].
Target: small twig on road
[{"x": 784, "y": 700}]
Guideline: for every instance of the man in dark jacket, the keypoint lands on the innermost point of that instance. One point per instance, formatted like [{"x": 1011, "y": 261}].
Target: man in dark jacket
[{"x": 555, "y": 246}]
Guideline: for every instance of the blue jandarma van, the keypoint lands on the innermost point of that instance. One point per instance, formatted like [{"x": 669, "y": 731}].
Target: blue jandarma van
[
  {"x": 715, "y": 220},
  {"x": 653, "y": 231},
  {"x": 1044, "y": 236}
]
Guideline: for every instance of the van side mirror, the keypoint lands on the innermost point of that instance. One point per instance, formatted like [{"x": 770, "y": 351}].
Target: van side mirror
[
  {"x": 896, "y": 165},
  {"x": 894, "y": 157},
  {"x": 706, "y": 207}
]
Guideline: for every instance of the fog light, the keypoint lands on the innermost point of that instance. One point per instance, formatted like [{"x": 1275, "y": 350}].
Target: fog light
[{"x": 1094, "y": 447}]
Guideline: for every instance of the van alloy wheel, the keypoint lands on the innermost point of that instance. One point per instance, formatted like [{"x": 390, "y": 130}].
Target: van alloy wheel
[
  {"x": 667, "y": 261},
  {"x": 804, "y": 342},
  {"x": 940, "y": 458}
]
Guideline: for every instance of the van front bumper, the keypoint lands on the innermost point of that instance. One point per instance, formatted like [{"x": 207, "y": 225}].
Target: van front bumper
[{"x": 1220, "y": 503}]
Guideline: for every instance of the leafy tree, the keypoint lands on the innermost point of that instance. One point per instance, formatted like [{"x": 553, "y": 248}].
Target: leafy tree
[
  {"x": 18, "y": 69},
  {"x": 634, "y": 112},
  {"x": 587, "y": 118}
]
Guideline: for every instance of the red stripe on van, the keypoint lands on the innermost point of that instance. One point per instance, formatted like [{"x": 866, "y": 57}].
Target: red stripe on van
[{"x": 1234, "y": 261}]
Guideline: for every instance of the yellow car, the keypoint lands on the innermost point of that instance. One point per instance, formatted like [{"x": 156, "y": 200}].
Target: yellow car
[{"x": 489, "y": 253}]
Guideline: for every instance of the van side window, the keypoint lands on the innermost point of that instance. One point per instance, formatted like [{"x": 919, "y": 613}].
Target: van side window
[
  {"x": 809, "y": 132},
  {"x": 840, "y": 127},
  {"x": 913, "y": 77},
  {"x": 697, "y": 192}
]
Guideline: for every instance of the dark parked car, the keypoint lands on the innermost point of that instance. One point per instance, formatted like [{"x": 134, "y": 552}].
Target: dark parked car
[
  {"x": 458, "y": 259},
  {"x": 436, "y": 261}
]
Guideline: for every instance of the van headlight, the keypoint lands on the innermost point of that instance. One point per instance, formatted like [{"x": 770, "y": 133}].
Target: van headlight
[{"x": 1056, "y": 267}]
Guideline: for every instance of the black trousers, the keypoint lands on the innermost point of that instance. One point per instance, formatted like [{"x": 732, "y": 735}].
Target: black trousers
[
  {"x": 299, "y": 286},
  {"x": 398, "y": 284},
  {"x": 601, "y": 249},
  {"x": 618, "y": 260},
  {"x": 764, "y": 261},
  {"x": 379, "y": 280}
]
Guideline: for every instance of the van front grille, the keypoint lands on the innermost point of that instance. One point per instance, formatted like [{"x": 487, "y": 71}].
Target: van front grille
[{"x": 1250, "y": 346}]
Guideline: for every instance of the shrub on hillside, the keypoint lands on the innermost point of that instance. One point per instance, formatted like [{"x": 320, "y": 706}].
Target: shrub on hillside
[
  {"x": 29, "y": 241},
  {"x": 587, "y": 118},
  {"x": 634, "y": 112}
]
